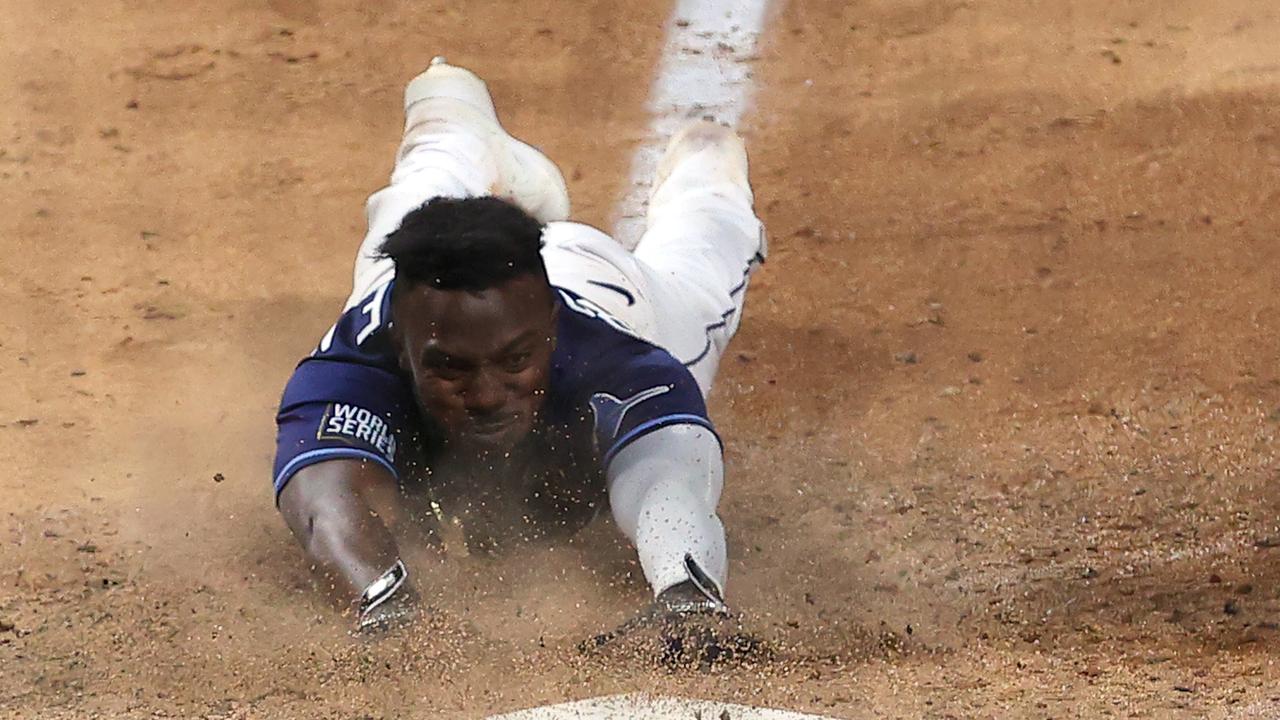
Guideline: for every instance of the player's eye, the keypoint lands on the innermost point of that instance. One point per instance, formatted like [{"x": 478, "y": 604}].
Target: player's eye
[
  {"x": 448, "y": 374},
  {"x": 515, "y": 362},
  {"x": 446, "y": 367}
]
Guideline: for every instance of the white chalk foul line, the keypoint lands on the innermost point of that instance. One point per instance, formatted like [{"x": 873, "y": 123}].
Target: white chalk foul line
[
  {"x": 705, "y": 70},
  {"x": 649, "y": 707}
]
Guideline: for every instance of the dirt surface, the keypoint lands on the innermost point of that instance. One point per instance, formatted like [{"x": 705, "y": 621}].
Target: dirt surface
[{"x": 1001, "y": 419}]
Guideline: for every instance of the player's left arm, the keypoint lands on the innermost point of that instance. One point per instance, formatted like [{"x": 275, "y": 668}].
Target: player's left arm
[
  {"x": 664, "y": 469},
  {"x": 665, "y": 472},
  {"x": 663, "y": 490}
]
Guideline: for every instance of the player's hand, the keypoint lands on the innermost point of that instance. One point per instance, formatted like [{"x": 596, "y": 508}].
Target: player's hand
[
  {"x": 683, "y": 628},
  {"x": 399, "y": 612},
  {"x": 386, "y": 604}
]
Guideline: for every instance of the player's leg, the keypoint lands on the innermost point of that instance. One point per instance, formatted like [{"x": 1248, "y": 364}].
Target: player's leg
[
  {"x": 702, "y": 243},
  {"x": 683, "y": 288},
  {"x": 454, "y": 146}
]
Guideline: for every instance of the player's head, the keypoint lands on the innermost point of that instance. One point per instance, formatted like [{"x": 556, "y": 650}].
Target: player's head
[{"x": 475, "y": 318}]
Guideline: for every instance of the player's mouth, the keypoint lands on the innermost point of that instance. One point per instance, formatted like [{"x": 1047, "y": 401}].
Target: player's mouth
[{"x": 492, "y": 429}]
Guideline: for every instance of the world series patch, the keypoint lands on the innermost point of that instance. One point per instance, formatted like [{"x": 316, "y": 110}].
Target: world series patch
[{"x": 353, "y": 424}]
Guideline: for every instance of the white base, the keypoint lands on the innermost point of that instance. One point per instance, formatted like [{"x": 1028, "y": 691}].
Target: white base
[{"x": 651, "y": 707}]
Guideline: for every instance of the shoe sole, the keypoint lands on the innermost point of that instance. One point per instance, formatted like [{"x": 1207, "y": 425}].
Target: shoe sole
[
  {"x": 698, "y": 136},
  {"x": 731, "y": 157},
  {"x": 521, "y": 160}
]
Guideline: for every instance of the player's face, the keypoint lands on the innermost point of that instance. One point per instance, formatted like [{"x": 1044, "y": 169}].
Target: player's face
[{"x": 480, "y": 360}]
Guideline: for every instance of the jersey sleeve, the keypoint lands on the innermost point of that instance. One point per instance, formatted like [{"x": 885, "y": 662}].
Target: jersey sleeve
[
  {"x": 348, "y": 399},
  {"x": 647, "y": 390}
]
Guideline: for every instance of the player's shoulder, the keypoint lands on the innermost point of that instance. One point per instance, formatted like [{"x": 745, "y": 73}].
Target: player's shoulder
[
  {"x": 355, "y": 358},
  {"x": 588, "y": 336},
  {"x": 595, "y": 352},
  {"x": 362, "y": 333},
  {"x": 626, "y": 386}
]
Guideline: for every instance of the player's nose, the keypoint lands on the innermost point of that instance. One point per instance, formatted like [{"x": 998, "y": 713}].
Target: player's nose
[{"x": 486, "y": 395}]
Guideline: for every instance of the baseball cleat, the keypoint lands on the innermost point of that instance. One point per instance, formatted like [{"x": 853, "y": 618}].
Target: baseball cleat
[
  {"x": 715, "y": 148},
  {"x": 448, "y": 98},
  {"x": 702, "y": 154}
]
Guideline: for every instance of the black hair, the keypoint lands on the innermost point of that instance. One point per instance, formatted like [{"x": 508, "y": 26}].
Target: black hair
[{"x": 465, "y": 244}]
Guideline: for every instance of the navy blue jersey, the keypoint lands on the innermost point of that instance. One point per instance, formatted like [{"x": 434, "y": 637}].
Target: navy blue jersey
[{"x": 351, "y": 399}]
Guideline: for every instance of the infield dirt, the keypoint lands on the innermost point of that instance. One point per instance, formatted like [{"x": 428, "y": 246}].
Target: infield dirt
[{"x": 1001, "y": 418}]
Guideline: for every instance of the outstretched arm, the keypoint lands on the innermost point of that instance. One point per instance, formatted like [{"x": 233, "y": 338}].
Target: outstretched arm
[
  {"x": 330, "y": 507},
  {"x": 663, "y": 489}
]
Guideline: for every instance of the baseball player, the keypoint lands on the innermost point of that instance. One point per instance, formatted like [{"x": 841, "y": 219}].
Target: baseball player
[{"x": 498, "y": 362}]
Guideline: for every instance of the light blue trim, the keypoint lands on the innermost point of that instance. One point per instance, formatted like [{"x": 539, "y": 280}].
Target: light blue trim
[
  {"x": 654, "y": 424},
  {"x": 312, "y": 456}
]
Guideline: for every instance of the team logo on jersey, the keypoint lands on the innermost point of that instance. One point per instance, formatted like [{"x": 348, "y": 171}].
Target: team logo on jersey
[
  {"x": 610, "y": 410},
  {"x": 350, "y": 423}
]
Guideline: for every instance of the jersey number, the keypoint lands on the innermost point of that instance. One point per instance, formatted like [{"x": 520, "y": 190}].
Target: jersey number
[{"x": 372, "y": 308}]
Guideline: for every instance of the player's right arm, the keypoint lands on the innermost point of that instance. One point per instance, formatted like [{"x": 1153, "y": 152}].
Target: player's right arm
[
  {"x": 330, "y": 507},
  {"x": 336, "y": 464}
]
